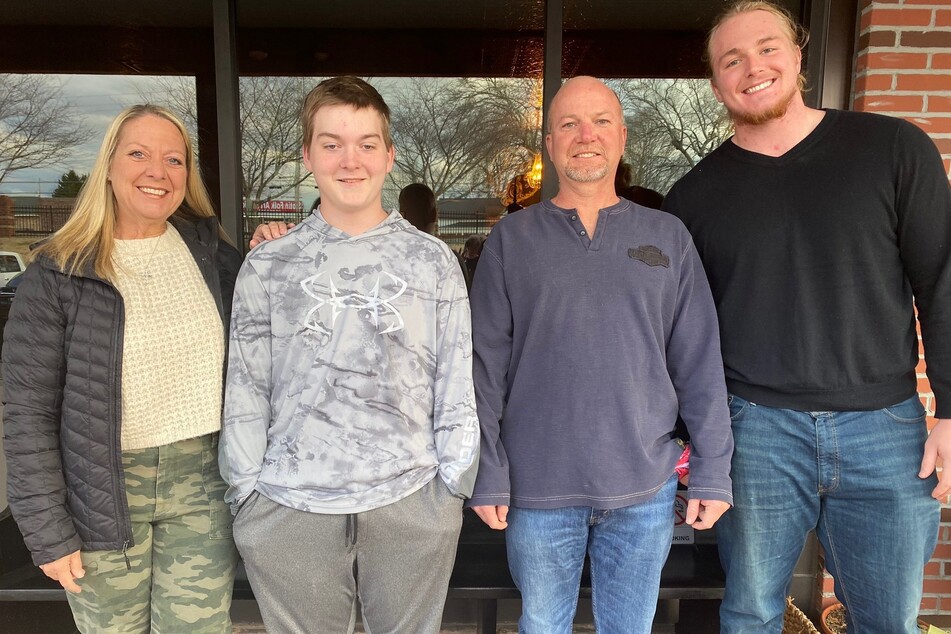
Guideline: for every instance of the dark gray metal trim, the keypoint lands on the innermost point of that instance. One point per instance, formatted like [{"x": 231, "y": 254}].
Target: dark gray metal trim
[
  {"x": 818, "y": 26},
  {"x": 229, "y": 128},
  {"x": 551, "y": 82}
]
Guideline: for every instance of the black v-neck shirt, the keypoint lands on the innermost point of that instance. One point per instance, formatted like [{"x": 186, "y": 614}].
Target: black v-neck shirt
[{"x": 814, "y": 257}]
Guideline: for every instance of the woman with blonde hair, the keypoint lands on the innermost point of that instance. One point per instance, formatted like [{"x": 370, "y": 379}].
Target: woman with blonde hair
[{"x": 113, "y": 362}]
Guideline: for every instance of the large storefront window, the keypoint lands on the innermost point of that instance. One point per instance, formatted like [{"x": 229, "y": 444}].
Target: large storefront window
[
  {"x": 463, "y": 83},
  {"x": 475, "y": 142}
]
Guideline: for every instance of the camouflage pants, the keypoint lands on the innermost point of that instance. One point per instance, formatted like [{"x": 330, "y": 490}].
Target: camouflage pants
[{"x": 180, "y": 570}]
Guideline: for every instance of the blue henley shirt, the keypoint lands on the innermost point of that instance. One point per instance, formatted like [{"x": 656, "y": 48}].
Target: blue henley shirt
[{"x": 585, "y": 351}]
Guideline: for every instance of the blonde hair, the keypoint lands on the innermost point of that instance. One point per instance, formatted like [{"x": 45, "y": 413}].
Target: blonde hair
[
  {"x": 90, "y": 230},
  {"x": 796, "y": 33}
]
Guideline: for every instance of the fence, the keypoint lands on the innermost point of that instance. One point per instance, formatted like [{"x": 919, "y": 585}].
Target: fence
[
  {"x": 251, "y": 219},
  {"x": 39, "y": 220},
  {"x": 47, "y": 216},
  {"x": 454, "y": 226},
  {"x": 460, "y": 218}
]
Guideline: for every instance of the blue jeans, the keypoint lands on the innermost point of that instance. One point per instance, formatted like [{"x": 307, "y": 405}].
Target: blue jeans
[
  {"x": 850, "y": 476},
  {"x": 627, "y": 547}
]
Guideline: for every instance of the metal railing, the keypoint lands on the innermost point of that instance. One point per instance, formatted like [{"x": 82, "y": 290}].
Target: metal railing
[
  {"x": 251, "y": 219},
  {"x": 454, "y": 227},
  {"x": 39, "y": 220}
]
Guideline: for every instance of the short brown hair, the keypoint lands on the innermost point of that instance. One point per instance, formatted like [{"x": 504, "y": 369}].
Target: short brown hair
[
  {"x": 344, "y": 91},
  {"x": 795, "y": 32}
]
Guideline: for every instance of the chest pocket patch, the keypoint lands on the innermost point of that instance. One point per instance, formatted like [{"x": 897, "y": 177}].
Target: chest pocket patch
[{"x": 649, "y": 255}]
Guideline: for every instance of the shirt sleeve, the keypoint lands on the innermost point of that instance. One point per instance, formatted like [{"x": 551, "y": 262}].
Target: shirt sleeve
[
  {"x": 923, "y": 207},
  {"x": 492, "y": 343},
  {"x": 695, "y": 366},
  {"x": 247, "y": 404},
  {"x": 34, "y": 367},
  {"x": 455, "y": 424}
]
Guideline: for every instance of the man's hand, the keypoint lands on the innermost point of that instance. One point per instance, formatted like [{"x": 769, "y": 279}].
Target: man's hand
[
  {"x": 269, "y": 231},
  {"x": 493, "y": 516},
  {"x": 937, "y": 446},
  {"x": 66, "y": 570},
  {"x": 703, "y": 514}
]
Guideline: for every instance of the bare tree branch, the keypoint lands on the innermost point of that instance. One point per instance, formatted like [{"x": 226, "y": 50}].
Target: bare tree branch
[
  {"x": 270, "y": 132},
  {"x": 464, "y": 136},
  {"x": 37, "y": 125},
  {"x": 672, "y": 124}
]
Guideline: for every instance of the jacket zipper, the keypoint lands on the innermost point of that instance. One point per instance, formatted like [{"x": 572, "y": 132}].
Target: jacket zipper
[{"x": 122, "y": 506}]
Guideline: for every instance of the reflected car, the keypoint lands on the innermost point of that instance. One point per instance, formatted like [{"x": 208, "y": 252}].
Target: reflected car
[
  {"x": 11, "y": 265},
  {"x": 7, "y": 293}
]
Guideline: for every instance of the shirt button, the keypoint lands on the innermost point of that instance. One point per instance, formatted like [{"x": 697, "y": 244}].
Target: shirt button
[
  {"x": 574, "y": 217},
  {"x": 582, "y": 233}
]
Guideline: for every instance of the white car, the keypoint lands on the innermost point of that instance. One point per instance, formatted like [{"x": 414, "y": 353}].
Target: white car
[{"x": 10, "y": 264}]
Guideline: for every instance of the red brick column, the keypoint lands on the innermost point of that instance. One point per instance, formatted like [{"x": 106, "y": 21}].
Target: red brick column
[
  {"x": 903, "y": 69},
  {"x": 7, "y": 222}
]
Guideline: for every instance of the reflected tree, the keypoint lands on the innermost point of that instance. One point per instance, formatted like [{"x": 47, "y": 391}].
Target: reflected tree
[
  {"x": 270, "y": 131},
  {"x": 467, "y": 137},
  {"x": 69, "y": 184},
  {"x": 464, "y": 137},
  {"x": 38, "y": 126},
  {"x": 672, "y": 124},
  {"x": 271, "y": 138}
]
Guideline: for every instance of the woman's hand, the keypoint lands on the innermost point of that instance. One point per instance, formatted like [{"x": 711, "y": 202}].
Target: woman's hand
[
  {"x": 66, "y": 570},
  {"x": 269, "y": 231}
]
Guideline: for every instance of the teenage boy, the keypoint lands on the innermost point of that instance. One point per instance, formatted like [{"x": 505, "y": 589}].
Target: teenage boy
[{"x": 350, "y": 437}]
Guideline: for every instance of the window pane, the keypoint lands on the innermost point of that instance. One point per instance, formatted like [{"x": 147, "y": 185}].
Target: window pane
[
  {"x": 462, "y": 80},
  {"x": 639, "y": 38},
  {"x": 672, "y": 124}
]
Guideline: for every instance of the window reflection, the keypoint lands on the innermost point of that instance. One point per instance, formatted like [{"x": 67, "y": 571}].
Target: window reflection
[
  {"x": 672, "y": 124},
  {"x": 475, "y": 142}
]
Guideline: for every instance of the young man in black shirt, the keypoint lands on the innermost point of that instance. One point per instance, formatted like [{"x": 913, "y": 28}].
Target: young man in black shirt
[{"x": 821, "y": 232}]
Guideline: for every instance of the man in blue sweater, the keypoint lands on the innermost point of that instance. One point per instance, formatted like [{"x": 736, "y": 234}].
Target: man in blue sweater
[
  {"x": 821, "y": 231},
  {"x": 593, "y": 327}
]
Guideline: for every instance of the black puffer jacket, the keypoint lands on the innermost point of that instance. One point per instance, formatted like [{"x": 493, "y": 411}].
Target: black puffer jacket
[{"x": 62, "y": 358}]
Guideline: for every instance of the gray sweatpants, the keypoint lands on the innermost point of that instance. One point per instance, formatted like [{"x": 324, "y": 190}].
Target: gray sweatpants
[{"x": 307, "y": 569}]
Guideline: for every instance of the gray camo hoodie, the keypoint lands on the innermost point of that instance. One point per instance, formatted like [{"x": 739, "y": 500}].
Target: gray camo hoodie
[{"x": 350, "y": 370}]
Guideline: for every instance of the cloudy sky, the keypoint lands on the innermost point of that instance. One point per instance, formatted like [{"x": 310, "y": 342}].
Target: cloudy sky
[{"x": 99, "y": 98}]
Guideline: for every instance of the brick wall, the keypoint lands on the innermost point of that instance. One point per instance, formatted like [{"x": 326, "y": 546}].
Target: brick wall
[{"x": 903, "y": 68}]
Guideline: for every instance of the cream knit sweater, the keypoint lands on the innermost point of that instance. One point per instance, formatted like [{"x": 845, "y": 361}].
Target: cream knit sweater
[{"x": 173, "y": 350}]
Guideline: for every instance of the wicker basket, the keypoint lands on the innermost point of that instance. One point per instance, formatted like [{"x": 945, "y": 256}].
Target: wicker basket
[{"x": 795, "y": 622}]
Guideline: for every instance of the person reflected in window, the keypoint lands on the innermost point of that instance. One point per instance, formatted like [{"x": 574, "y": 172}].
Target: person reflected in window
[
  {"x": 113, "y": 360},
  {"x": 471, "y": 251},
  {"x": 635, "y": 193},
  {"x": 418, "y": 205}
]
